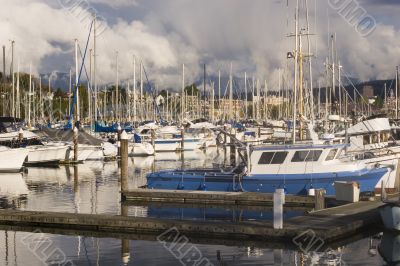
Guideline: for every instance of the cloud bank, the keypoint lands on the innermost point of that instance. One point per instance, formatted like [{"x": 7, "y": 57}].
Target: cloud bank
[{"x": 166, "y": 33}]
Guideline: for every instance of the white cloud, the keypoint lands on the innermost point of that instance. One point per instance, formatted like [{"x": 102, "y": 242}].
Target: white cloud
[{"x": 251, "y": 34}]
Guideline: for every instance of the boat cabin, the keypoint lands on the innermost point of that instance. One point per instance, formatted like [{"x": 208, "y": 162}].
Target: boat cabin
[{"x": 291, "y": 159}]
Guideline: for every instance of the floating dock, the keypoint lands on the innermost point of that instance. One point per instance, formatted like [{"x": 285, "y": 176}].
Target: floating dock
[
  {"x": 213, "y": 198},
  {"x": 329, "y": 225}
]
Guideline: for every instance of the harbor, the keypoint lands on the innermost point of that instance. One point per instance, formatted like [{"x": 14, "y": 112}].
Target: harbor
[
  {"x": 88, "y": 214},
  {"x": 199, "y": 134}
]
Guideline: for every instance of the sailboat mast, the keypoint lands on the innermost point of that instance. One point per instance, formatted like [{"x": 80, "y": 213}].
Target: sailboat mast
[
  {"x": 219, "y": 92},
  {"x": 29, "y": 95},
  {"x": 78, "y": 115},
  {"x": 18, "y": 109},
  {"x": 134, "y": 89},
  {"x": 41, "y": 99},
  {"x": 310, "y": 64},
  {"x": 295, "y": 72},
  {"x": 95, "y": 67},
  {"x": 141, "y": 90},
  {"x": 204, "y": 93},
  {"x": 397, "y": 92},
  {"x": 245, "y": 92},
  {"x": 13, "y": 79},
  {"x": 116, "y": 90},
  {"x": 230, "y": 95},
  {"x": 69, "y": 93},
  {"x": 265, "y": 99},
  {"x": 183, "y": 93}
]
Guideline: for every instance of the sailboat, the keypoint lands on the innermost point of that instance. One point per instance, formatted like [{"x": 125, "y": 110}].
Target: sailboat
[{"x": 12, "y": 160}]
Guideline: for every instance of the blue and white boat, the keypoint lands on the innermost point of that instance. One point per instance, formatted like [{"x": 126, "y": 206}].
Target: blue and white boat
[{"x": 296, "y": 168}]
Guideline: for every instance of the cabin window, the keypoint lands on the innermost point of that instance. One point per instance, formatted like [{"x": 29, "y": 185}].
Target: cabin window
[
  {"x": 331, "y": 155},
  {"x": 385, "y": 137},
  {"x": 279, "y": 157},
  {"x": 272, "y": 157},
  {"x": 300, "y": 156},
  {"x": 375, "y": 138},
  {"x": 266, "y": 157},
  {"x": 366, "y": 140},
  {"x": 313, "y": 155}
]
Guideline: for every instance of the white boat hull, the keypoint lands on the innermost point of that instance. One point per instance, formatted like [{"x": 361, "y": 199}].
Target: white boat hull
[
  {"x": 46, "y": 154},
  {"x": 166, "y": 145},
  {"x": 107, "y": 150},
  {"x": 84, "y": 151},
  {"x": 12, "y": 160},
  {"x": 141, "y": 149}
]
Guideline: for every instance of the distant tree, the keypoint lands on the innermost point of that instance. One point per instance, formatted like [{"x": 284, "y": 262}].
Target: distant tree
[
  {"x": 191, "y": 90},
  {"x": 163, "y": 93},
  {"x": 60, "y": 93},
  {"x": 378, "y": 102}
]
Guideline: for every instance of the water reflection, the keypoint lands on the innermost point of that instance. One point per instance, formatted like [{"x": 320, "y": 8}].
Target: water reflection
[
  {"x": 109, "y": 251},
  {"x": 389, "y": 248}
]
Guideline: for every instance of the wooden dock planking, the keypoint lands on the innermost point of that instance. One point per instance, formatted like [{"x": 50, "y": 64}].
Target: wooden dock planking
[
  {"x": 213, "y": 197},
  {"x": 329, "y": 225}
]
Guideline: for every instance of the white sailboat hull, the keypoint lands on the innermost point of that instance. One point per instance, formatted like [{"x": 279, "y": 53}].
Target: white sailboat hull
[
  {"x": 166, "y": 145},
  {"x": 46, "y": 154},
  {"x": 12, "y": 160},
  {"x": 141, "y": 149},
  {"x": 84, "y": 151}
]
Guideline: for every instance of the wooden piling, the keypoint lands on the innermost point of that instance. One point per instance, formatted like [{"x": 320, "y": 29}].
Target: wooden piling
[
  {"x": 124, "y": 161},
  {"x": 225, "y": 137},
  {"x": 76, "y": 144},
  {"x": 182, "y": 138},
  {"x": 20, "y": 134},
  {"x": 153, "y": 137},
  {"x": 76, "y": 179},
  {"x": 119, "y": 132},
  {"x": 319, "y": 199},
  {"x": 232, "y": 149}
]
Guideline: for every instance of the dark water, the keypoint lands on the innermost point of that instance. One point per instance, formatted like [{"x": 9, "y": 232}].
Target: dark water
[{"x": 94, "y": 189}]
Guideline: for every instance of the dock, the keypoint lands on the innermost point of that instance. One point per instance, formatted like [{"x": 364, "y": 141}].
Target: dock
[
  {"x": 213, "y": 198},
  {"x": 329, "y": 225}
]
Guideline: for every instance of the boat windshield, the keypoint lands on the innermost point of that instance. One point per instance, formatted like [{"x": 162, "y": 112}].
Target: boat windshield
[
  {"x": 273, "y": 157},
  {"x": 306, "y": 156}
]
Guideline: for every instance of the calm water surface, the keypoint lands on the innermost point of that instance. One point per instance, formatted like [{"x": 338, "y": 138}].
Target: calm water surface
[{"x": 93, "y": 188}]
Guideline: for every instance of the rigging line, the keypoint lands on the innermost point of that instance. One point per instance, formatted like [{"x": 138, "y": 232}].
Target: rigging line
[
  {"x": 79, "y": 78},
  {"x": 153, "y": 94}
]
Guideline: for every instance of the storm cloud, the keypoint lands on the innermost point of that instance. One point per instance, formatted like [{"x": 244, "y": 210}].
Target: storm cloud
[{"x": 166, "y": 33}]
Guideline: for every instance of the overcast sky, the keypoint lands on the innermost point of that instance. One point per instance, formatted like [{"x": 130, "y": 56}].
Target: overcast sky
[{"x": 252, "y": 34}]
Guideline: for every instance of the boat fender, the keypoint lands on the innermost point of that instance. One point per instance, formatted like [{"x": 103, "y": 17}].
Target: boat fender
[
  {"x": 285, "y": 190},
  {"x": 180, "y": 186},
  {"x": 202, "y": 187},
  {"x": 311, "y": 191}
]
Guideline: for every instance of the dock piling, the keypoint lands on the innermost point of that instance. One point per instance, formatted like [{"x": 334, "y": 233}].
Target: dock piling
[
  {"x": 182, "y": 138},
  {"x": 20, "y": 134},
  {"x": 279, "y": 201},
  {"x": 232, "y": 148},
  {"x": 319, "y": 199},
  {"x": 124, "y": 161},
  {"x": 153, "y": 136},
  {"x": 119, "y": 132},
  {"x": 75, "y": 140}
]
